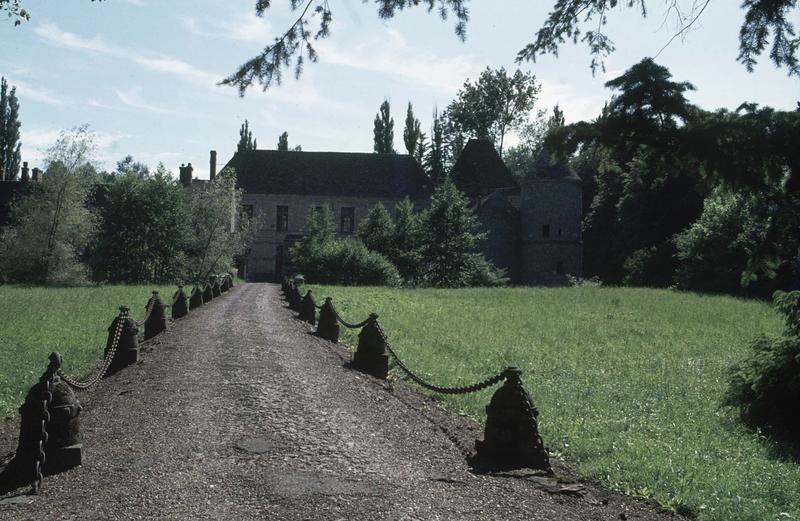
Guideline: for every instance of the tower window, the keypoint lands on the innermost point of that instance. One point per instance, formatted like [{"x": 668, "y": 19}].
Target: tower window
[
  {"x": 546, "y": 231},
  {"x": 559, "y": 267},
  {"x": 282, "y": 219},
  {"x": 347, "y": 224}
]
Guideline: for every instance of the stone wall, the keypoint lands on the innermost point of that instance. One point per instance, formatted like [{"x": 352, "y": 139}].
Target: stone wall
[
  {"x": 501, "y": 221},
  {"x": 551, "y": 231},
  {"x": 262, "y": 260}
]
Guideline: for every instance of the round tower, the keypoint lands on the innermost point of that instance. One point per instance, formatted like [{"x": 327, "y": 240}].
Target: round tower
[{"x": 551, "y": 215}]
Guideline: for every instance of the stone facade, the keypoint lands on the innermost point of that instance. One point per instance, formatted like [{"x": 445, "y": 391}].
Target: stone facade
[{"x": 269, "y": 258}]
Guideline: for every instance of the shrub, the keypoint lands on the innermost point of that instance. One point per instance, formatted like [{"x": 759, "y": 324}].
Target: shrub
[
  {"x": 482, "y": 273},
  {"x": 766, "y": 385},
  {"x": 347, "y": 262}
]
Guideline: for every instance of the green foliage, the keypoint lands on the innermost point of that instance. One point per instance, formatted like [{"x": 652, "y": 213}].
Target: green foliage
[
  {"x": 412, "y": 132},
  {"x": 628, "y": 382},
  {"x": 145, "y": 229},
  {"x": 714, "y": 250},
  {"x": 407, "y": 241},
  {"x": 9, "y": 132},
  {"x": 51, "y": 227},
  {"x": 495, "y": 104},
  {"x": 127, "y": 166},
  {"x": 283, "y": 141},
  {"x": 383, "y": 132},
  {"x": 450, "y": 235},
  {"x": 435, "y": 160},
  {"x": 765, "y": 386},
  {"x": 219, "y": 231},
  {"x": 320, "y": 230},
  {"x": 377, "y": 230},
  {"x": 246, "y": 141}
]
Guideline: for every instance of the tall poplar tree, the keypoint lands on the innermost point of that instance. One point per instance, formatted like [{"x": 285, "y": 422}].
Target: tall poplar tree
[
  {"x": 246, "y": 141},
  {"x": 9, "y": 132},
  {"x": 384, "y": 130},
  {"x": 434, "y": 161},
  {"x": 412, "y": 131},
  {"x": 283, "y": 141}
]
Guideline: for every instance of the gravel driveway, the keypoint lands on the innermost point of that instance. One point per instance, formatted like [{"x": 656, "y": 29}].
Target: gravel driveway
[{"x": 238, "y": 412}]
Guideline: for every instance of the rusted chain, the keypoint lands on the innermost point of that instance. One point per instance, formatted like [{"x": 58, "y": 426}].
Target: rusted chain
[
  {"x": 41, "y": 457},
  {"x": 443, "y": 390},
  {"x": 347, "y": 324},
  {"x": 88, "y": 384}
]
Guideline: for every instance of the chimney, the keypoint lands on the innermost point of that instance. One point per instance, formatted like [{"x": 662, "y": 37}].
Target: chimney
[
  {"x": 38, "y": 175},
  {"x": 189, "y": 171},
  {"x": 185, "y": 176},
  {"x": 25, "y": 172},
  {"x": 213, "y": 165}
]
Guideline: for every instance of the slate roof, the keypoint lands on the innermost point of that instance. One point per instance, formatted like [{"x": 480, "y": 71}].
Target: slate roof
[
  {"x": 330, "y": 174},
  {"x": 545, "y": 168},
  {"x": 480, "y": 171}
]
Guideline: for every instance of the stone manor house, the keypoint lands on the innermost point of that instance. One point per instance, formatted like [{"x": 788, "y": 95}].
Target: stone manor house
[{"x": 534, "y": 227}]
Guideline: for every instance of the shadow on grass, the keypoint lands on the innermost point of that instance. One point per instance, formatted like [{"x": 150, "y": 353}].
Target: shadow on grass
[{"x": 782, "y": 444}]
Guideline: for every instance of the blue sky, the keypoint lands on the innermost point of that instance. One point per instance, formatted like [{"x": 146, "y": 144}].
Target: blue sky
[{"x": 143, "y": 73}]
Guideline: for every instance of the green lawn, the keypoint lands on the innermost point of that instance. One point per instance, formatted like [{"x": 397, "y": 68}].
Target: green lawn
[
  {"x": 629, "y": 382},
  {"x": 73, "y": 321}
]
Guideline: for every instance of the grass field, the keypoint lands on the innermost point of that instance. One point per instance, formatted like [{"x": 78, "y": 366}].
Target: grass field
[
  {"x": 629, "y": 382},
  {"x": 73, "y": 321}
]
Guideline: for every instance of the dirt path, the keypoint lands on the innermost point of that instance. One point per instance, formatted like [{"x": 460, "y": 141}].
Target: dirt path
[{"x": 237, "y": 412}]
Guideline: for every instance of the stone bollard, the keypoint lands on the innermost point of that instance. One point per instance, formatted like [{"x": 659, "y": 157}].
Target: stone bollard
[
  {"x": 297, "y": 298},
  {"x": 157, "y": 319},
  {"x": 225, "y": 285},
  {"x": 233, "y": 276},
  {"x": 215, "y": 289},
  {"x": 62, "y": 446},
  {"x": 327, "y": 325},
  {"x": 195, "y": 299},
  {"x": 180, "y": 307},
  {"x": 308, "y": 309},
  {"x": 511, "y": 439},
  {"x": 371, "y": 356},
  {"x": 127, "y": 352},
  {"x": 284, "y": 286},
  {"x": 208, "y": 294}
]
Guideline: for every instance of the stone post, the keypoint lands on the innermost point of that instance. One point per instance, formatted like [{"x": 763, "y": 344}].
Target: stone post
[
  {"x": 127, "y": 352},
  {"x": 511, "y": 439},
  {"x": 63, "y": 449},
  {"x": 225, "y": 284},
  {"x": 157, "y": 320},
  {"x": 295, "y": 298},
  {"x": 195, "y": 299},
  {"x": 179, "y": 304},
  {"x": 215, "y": 290},
  {"x": 208, "y": 293},
  {"x": 371, "y": 356},
  {"x": 308, "y": 309},
  {"x": 327, "y": 325}
]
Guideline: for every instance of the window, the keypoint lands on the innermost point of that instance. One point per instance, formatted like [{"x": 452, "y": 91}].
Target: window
[
  {"x": 282, "y": 219},
  {"x": 559, "y": 267},
  {"x": 546, "y": 231},
  {"x": 347, "y": 221}
]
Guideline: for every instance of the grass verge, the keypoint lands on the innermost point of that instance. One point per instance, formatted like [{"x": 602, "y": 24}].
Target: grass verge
[
  {"x": 35, "y": 321},
  {"x": 629, "y": 382}
]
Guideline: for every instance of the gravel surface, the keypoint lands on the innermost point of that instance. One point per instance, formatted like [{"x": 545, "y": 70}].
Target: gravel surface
[{"x": 238, "y": 412}]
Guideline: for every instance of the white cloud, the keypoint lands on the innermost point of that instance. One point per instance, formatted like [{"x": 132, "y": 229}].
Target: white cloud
[
  {"x": 179, "y": 68},
  {"x": 132, "y": 98},
  {"x": 244, "y": 27},
  {"x": 576, "y": 107},
  {"x": 31, "y": 92},
  {"x": 393, "y": 55},
  {"x": 137, "y": 3},
  {"x": 51, "y": 33},
  {"x": 36, "y": 141}
]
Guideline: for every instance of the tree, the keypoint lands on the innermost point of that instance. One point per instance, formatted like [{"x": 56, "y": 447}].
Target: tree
[
  {"x": 220, "y": 231},
  {"x": 377, "y": 230},
  {"x": 406, "y": 242},
  {"x": 450, "y": 237},
  {"x": 521, "y": 158},
  {"x": 421, "y": 152},
  {"x": 495, "y": 104},
  {"x": 764, "y": 22},
  {"x": 9, "y": 132},
  {"x": 435, "y": 160},
  {"x": 283, "y": 141},
  {"x": 319, "y": 231},
  {"x": 412, "y": 132},
  {"x": 145, "y": 229},
  {"x": 127, "y": 166},
  {"x": 246, "y": 141},
  {"x": 384, "y": 130},
  {"x": 51, "y": 226}
]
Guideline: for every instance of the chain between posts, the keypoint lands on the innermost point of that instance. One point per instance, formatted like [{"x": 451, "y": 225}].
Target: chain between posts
[
  {"x": 489, "y": 382},
  {"x": 88, "y": 384},
  {"x": 347, "y": 324},
  {"x": 150, "y": 305},
  {"x": 41, "y": 457}
]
